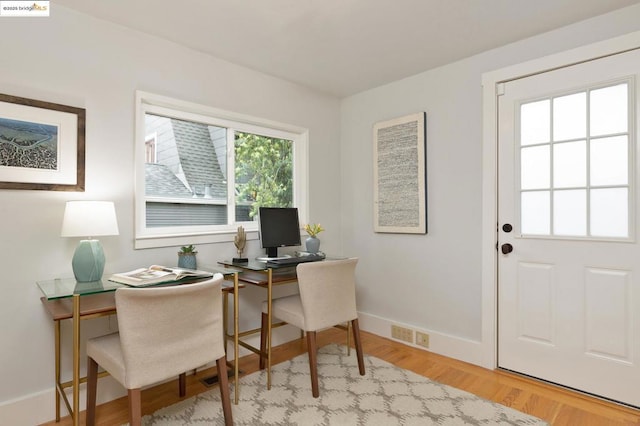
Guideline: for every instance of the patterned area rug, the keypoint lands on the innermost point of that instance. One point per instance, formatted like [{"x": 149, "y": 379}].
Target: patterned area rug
[{"x": 386, "y": 395}]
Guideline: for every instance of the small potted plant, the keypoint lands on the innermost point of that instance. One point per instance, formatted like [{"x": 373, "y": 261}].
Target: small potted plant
[
  {"x": 187, "y": 257},
  {"x": 313, "y": 243}
]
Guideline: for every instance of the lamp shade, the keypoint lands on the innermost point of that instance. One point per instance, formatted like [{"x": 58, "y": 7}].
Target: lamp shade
[{"x": 89, "y": 219}]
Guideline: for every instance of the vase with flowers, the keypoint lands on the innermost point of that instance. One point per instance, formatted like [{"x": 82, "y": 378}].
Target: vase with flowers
[{"x": 313, "y": 243}]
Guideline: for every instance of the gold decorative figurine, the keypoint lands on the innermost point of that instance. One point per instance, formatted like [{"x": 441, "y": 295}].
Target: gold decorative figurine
[{"x": 240, "y": 240}]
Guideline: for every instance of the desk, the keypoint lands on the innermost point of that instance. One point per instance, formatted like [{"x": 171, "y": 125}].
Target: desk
[
  {"x": 62, "y": 300},
  {"x": 259, "y": 274}
]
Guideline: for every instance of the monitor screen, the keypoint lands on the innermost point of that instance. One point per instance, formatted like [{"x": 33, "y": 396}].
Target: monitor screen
[{"x": 279, "y": 227}]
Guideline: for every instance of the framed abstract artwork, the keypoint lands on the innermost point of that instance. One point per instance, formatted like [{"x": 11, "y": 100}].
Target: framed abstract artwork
[
  {"x": 42, "y": 145},
  {"x": 399, "y": 164}
]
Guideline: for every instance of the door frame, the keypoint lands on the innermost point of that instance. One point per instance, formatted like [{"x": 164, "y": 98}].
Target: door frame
[{"x": 491, "y": 83}]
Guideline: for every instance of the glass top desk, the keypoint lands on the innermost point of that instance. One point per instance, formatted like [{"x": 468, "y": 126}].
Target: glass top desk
[
  {"x": 64, "y": 298},
  {"x": 258, "y": 273}
]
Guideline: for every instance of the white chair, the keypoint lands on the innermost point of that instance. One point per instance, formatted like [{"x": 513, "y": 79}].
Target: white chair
[
  {"x": 327, "y": 298},
  {"x": 163, "y": 332}
]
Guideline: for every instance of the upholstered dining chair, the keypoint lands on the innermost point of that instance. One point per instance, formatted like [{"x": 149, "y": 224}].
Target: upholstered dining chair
[
  {"x": 163, "y": 332},
  {"x": 327, "y": 298}
]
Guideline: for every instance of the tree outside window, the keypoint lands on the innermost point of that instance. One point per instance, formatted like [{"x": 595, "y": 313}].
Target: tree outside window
[{"x": 264, "y": 172}]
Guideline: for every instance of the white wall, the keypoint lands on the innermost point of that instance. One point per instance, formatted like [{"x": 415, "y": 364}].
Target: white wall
[
  {"x": 430, "y": 282},
  {"x": 433, "y": 282},
  {"x": 71, "y": 59}
]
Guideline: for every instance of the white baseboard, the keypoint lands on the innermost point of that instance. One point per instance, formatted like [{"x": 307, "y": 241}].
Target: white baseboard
[
  {"x": 38, "y": 408},
  {"x": 443, "y": 344},
  {"x": 30, "y": 410}
]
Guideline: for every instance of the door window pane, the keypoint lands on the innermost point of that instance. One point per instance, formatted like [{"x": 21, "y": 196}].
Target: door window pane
[
  {"x": 535, "y": 216},
  {"x": 588, "y": 152},
  {"x": 570, "y": 212},
  {"x": 570, "y": 164},
  {"x": 535, "y": 167},
  {"x": 609, "y": 161},
  {"x": 609, "y": 217},
  {"x": 570, "y": 117},
  {"x": 535, "y": 123},
  {"x": 609, "y": 110}
]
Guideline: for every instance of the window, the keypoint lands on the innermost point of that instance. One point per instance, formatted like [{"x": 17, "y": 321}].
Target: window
[
  {"x": 202, "y": 172},
  {"x": 575, "y": 156}
]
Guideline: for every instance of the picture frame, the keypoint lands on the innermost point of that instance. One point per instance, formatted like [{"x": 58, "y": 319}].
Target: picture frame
[
  {"x": 399, "y": 164},
  {"x": 42, "y": 145}
]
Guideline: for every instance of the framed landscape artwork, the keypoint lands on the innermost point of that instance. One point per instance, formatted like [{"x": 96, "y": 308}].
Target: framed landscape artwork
[
  {"x": 399, "y": 164},
  {"x": 42, "y": 145}
]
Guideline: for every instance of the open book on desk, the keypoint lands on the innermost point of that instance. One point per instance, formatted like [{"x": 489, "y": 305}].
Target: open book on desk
[{"x": 156, "y": 274}]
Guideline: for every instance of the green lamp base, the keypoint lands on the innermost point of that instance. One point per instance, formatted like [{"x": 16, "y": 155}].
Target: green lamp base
[{"x": 88, "y": 261}]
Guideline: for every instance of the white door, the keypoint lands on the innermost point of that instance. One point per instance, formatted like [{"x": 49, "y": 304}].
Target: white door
[{"x": 569, "y": 255}]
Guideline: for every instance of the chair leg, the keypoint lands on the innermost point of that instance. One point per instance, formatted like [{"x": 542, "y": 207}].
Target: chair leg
[
  {"x": 135, "y": 407},
  {"x": 358, "y": 343},
  {"x": 263, "y": 340},
  {"x": 312, "y": 348},
  {"x": 182, "y": 384},
  {"x": 223, "y": 380},
  {"x": 92, "y": 384}
]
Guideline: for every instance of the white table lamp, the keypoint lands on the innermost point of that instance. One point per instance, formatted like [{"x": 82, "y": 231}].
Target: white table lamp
[{"x": 89, "y": 219}]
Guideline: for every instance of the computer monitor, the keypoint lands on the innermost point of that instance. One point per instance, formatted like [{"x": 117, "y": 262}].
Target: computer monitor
[{"x": 279, "y": 227}]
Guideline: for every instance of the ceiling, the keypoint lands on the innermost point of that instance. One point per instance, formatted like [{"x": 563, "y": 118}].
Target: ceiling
[{"x": 343, "y": 47}]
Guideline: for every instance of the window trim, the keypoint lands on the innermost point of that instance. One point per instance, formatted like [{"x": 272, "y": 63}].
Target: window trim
[{"x": 174, "y": 236}]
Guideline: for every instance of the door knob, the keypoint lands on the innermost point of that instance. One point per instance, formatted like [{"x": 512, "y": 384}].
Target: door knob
[{"x": 506, "y": 248}]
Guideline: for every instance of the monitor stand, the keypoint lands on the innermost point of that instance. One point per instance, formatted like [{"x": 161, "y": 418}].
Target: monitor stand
[
  {"x": 266, "y": 258},
  {"x": 272, "y": 254}
]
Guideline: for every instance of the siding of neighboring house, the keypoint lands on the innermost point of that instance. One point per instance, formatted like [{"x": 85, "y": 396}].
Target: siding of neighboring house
[
  {"x": 166, "y": 149},
  {"x": 219, "y": 138},
  {"x": 180, "y": 214}
]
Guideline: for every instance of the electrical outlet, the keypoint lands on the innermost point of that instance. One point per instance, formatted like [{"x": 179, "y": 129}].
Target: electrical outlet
[
  {"x": 422, "y": 339},
  {"x": 402, "y": 333}
]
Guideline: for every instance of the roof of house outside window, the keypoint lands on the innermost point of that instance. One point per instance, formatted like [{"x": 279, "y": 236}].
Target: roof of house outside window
[
  {"x": 198, "y": 157},
  {"x": 162, "y": 182},
  {"x": 196, "y": 162}
]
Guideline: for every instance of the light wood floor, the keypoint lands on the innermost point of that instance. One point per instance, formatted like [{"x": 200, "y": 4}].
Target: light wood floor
[{"x": 556, "y": 405}]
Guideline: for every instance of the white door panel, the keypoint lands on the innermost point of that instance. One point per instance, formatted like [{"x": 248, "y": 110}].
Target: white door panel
[{"x": 569, "y": 291}]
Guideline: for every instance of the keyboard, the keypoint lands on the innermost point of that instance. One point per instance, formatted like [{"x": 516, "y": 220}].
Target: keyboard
[{"x": 293, "y": 261}]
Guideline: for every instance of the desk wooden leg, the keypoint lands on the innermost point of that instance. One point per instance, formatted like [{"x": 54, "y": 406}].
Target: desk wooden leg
[
  {"x": 57, "y": 355},
  {"x": 76, "y": 360},
  {"x": 225, "y": 312},
  {"x": 269, "y": 319},
  {"x": 348, "y": 338},
  {"x": 225, "y": 334},
  {"x": 236, "y": 337}
]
